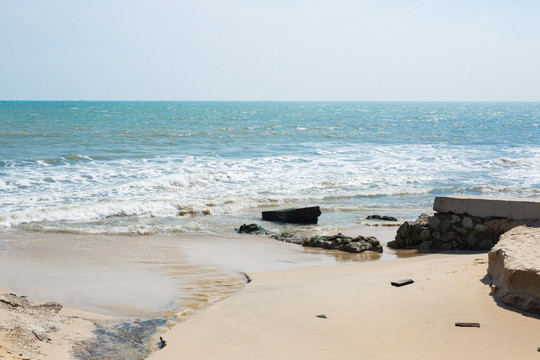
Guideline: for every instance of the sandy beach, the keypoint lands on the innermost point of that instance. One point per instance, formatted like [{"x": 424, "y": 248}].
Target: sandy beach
[{"x": 275, "y": 315}]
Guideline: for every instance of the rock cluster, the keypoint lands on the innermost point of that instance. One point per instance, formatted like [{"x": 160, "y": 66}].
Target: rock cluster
[
  {"x": 345, "y": 243},
  {"x": 334, "y": 242},
  {"x": 447, "y": 231}
]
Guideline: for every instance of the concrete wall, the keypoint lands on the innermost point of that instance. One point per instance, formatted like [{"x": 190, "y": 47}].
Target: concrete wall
[{"x": 483, "y": 206}]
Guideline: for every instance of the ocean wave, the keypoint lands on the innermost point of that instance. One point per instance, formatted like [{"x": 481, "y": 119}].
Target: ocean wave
[
  {"x": 517, "y": 191},
  {"x": 122, "y": 192}
]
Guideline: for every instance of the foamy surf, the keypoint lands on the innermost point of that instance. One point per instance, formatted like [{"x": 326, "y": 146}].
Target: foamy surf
[{"x": 195, "y": 167}]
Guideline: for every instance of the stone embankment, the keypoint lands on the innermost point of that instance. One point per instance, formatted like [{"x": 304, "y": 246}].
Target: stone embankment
[
  {"x": 465, "y": 223},
  {"x": 447, "y": 231},
  {"x": 331, "y": 242}
]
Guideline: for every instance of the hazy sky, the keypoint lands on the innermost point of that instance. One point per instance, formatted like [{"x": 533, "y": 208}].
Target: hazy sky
[{"x": 270, "y": 50}]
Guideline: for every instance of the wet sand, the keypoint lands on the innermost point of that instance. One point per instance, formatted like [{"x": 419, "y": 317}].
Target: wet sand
[
  {"x": 112, "y": 280},
  {"x": 143, "y": 275}
]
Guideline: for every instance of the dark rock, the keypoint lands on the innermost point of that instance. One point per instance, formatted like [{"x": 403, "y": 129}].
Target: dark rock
[
  {"x": 345, "y": 243},
  {"x": 251, "y": 229},
  {"x": 424, "y": 246},
  {"x": 486, "y": 244},
  {"x": 308, "y": 215},
  {"x": 425, "y": 235},
  {"x": 449, "y": 236},
  {"x": 400, "y": 283},
  {"x": 445, "y": 225},
  {"x": 379, "y": 217},
  {"x": 322, "y": 316},
  {"x": 434, "y": 222},
  {"x": 290, "y": 238},
  {"x": 471, "y": 240}
]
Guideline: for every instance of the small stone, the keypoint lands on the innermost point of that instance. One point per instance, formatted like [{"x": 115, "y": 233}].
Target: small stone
[
  {"x": 322, "y": 316},
  {"x": 446, "y": 246},
  {"x": 251, "y": 229},
  {"x": 449, "y": 236},
  {"x": 425, "y": 246},
  {"x": 434, "y": 222},
  {"x": 467, "y": 222},
  {"x": 445, "y": 225},
  {"x": 455, "y": 219},
  {"x": 486, "y": 244},
  {"x": 471, "y": 240},
  {"x": 479, "y": 228},
  {"x": 400, "y": 283},
  {"x": 425, "y": 235}
]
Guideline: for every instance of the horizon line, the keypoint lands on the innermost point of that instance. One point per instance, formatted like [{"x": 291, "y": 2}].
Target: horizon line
[{"x": 290, "y": 101}]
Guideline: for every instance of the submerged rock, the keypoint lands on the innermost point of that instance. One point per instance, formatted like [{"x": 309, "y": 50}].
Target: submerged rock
[
  {"x": 383, "y": 217},
  {"x": 345, "y": 243},
  {"x": 251, "y": 229}
]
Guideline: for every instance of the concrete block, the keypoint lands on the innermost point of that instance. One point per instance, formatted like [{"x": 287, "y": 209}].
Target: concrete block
[{"x": 484, "y": 206}]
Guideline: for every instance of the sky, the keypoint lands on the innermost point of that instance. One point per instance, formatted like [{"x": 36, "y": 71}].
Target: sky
[{"x": 293, "y": 50}]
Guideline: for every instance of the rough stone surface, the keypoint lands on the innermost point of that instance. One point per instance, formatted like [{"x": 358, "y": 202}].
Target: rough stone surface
[
  {"x": 251, "y": 229},
  {"x": 447, "y": 231},
  {"x": 290, "y": 238},
  {"x": 24, "y": 325},
  {"x": 514, "y": 266},
  {"x": 345, "y": 243}
]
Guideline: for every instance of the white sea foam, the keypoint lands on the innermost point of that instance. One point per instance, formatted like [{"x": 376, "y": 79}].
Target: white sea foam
[{"x": 183, "y": 190}]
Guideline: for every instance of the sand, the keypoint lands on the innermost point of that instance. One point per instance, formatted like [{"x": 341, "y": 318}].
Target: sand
[{"x": 275, "y": 316}]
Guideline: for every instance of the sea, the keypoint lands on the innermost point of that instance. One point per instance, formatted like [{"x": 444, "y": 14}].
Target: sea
[
  {"x": 207, "y": 167},
  {"x": 129, "y": 209}
]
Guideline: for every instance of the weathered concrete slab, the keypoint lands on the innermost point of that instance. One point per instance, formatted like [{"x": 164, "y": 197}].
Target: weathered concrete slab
[
  {"x": 514, "y": 266},
  {"x": 483, "y": 206},
  {"x": 308, "y": 215}
]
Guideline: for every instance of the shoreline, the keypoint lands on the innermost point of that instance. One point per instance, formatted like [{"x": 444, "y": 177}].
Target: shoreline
[
  {"x": 104, "y": 280},
  {"x": 275, "y": 315}
]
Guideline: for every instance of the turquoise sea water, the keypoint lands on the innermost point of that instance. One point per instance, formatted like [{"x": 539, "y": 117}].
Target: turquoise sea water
[{"x": 168, "y": 167}]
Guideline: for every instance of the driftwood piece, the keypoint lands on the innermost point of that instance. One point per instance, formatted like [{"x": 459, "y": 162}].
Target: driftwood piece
[
  {"x": 402, "y": 282},
  {"x": 468, "y": 324}
]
